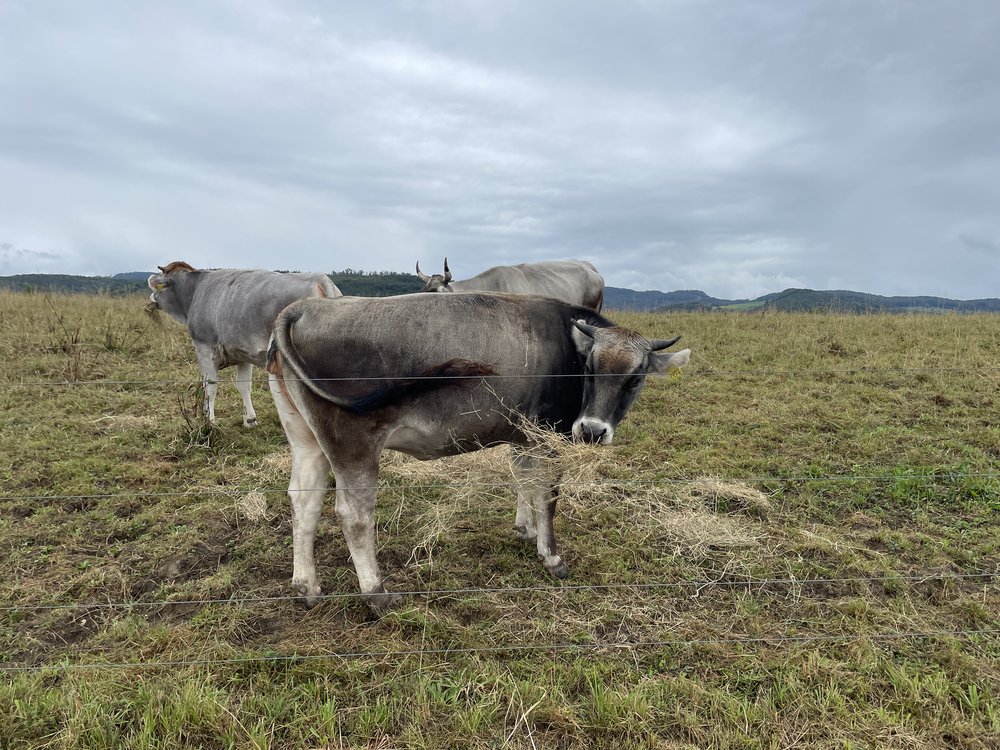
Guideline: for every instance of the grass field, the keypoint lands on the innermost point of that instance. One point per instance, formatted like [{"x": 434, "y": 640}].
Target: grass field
[{"x": 810, "y": 555}]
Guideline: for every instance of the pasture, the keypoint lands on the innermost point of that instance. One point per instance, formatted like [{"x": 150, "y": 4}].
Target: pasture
[{"x": 794, "y": 544}]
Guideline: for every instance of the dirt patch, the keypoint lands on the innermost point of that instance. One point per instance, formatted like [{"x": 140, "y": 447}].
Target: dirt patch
[{"x": 199, "y": 561}]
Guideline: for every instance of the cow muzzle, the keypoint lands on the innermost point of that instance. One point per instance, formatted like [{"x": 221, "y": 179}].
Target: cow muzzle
[{"x": 594, "y": 431}]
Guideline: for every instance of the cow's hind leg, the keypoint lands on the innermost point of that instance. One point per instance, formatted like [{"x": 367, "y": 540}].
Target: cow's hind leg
[
  {"x": 356, "y": 495},
  {"x": 244, "y": 384},
  {"x": 536, "y": 485},
  {"x": 309, "y": 479}
]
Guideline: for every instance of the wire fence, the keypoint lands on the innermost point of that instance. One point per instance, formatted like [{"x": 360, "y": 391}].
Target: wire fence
[
  {"x": 701, "y": 372},
  {"x": 450, "y": 651},
  {"x": 987, "y": 577},
  {"x": 984, "y": 577},
  {"x": 940, "y": 475}
]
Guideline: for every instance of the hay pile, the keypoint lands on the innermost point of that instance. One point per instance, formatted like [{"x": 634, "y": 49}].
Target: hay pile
[{"x": 685, "y": 516}]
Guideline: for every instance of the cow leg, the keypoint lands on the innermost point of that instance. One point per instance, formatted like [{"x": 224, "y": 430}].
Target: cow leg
[
  {"x": 535, "y": 481},
  {"x": 524, "y": 520},
  {"x": 244, "y": 383},
  {"x": 210, "y": 378},
  {"x": 356, "y": 496},
  {"x": 309, "y": 479}
]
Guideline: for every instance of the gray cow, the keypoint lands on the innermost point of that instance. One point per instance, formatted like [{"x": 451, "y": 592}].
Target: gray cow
[
  {"x": 574, "y": 281},
  {"x": 229, "y": 314},
  {"x": 433, "y": 375}
]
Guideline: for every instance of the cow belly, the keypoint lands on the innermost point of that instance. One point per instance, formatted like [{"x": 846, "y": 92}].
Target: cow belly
[
  {"x": 227, "y": 356},
  {"x": 428, "y": 441}
]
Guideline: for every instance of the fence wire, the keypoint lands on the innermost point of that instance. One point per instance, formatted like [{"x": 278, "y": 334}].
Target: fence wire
[
  {"x": 988, "y": 577},
  {"x": 232, "y": 490},
  {"x": 503, "y": 649},
  {"x": 697, "y": 373}
]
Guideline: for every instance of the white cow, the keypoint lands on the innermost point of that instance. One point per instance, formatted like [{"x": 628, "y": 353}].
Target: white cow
[
  {"x": 575, "y": 282},
  {"x": 230, "y": 313}
]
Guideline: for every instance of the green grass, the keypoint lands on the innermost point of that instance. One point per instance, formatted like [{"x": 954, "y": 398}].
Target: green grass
[{"x": 791, "y": 398}]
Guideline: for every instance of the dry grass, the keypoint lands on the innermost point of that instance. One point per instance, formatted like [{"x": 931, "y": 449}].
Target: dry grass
[{"x": 202, "y": 513}]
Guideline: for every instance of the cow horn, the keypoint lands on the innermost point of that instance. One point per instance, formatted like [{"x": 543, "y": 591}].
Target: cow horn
[
  {"x": 422, "y": 276},
  {"x": 162, "y": 269},
  {"x": 447, "y": 272},
  {"x": 589, "y": 330},
  {"x": 658, "y": 344}
]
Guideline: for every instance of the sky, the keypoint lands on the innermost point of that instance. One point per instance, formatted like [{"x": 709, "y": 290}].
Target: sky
[{"x": 738, "y": 147}]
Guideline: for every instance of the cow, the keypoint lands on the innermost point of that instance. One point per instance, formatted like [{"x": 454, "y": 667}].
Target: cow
[
  {"x": 229, "y": 314},
  {"x": 574, "y": 281},
  {"x": 433, "y": 375}
]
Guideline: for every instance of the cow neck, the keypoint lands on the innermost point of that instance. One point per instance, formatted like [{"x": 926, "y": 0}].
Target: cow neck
[{"x": 184, "y": 287}]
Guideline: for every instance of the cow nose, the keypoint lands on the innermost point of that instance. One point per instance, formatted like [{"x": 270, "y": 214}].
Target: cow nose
[{"x": 592, "y": 431}]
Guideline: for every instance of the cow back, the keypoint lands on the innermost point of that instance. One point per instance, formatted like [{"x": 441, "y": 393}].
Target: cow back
[
  {"x": 234, "y": 310},
  {"x": 360, "y": 352},
  {"x": 575, "y": 282}
]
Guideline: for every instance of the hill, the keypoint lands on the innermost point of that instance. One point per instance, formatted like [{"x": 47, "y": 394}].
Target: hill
[
  {"x": 385, "y": 283},
  {"x": 58, "y": 282},
  {"x": 375, "y": 283},
  {"x": 361, "y": 283},
  {"x": 845, "y": 301},
  {"x": 617, "y": 298},
  {"x": 792, "y": 300}
]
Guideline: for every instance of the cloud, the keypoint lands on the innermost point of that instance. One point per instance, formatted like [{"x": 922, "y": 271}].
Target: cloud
[
  {"x": 16, "y": 257},
  {"x": 980, "y": 244},
  {"x": 672, "y": 144}
]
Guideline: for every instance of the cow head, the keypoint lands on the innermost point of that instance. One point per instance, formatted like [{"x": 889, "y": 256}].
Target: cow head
[
  {"x": 617, "y": 361},
  {"x": 437, "y": 282},
  {"x": 161, "y": 285}
]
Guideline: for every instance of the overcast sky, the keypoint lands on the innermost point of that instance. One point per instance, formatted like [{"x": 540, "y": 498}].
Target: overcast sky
[{"x": 739, "y": 147}]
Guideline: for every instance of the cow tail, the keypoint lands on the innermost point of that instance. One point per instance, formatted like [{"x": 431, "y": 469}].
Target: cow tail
[
  {"x": 281, "y": 341},
  {"x": 284, "y": 361}
]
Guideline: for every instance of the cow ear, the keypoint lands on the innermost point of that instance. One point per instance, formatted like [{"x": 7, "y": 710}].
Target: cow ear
[
  {"x": 583, "y": 336},
  {"x": 158, "y": 282},
  {"x": 663, "y": 363}
]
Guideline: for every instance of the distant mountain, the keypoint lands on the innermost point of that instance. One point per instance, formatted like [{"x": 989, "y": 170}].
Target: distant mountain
[
  {"x": 383, "y": 283},
  {"x": 375, "y": 283},
  {"x": 57, "y": 282},
  {"x": 839, "y": 300},
  {"x": 133, "y": 276},
  {"x": 616, "y": 298},
  {"x": 792, "y": 300}
]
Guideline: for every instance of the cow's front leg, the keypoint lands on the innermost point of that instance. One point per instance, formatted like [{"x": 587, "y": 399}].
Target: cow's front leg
[
  {"x": 244, "y": 384},
  {"x": 210, "y": 378},
  {"x": 356, "y": 495},
  {"x": 545, "y": 513},
  {"x": 524, "y": 519},
  {"x": 535, "y": 481}
]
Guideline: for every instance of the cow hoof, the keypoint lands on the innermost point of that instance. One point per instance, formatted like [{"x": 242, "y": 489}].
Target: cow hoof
[
  {"x": 557, "y": 568},
  {"x": 524, "y": 534},
  {"x": 249, "y": 422},
  {"x": 311, "y": 594},
  {"x": 383, "y": 601}
]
